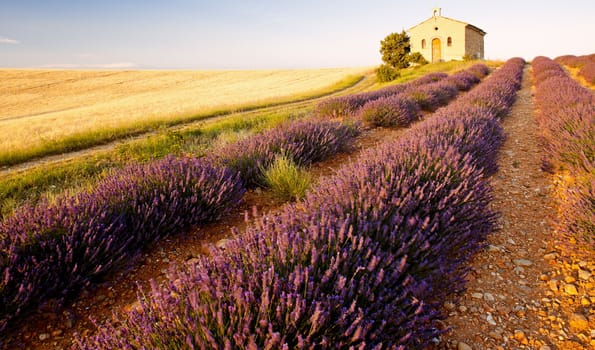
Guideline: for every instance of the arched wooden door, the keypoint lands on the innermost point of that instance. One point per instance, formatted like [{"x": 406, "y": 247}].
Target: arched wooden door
[{"x": 436, "y": 50}]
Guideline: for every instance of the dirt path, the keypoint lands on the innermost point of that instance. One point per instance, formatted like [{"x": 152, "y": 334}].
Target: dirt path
[{"x": 520, "y": 288}]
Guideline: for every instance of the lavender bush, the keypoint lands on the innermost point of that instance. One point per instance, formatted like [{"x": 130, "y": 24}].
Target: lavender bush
[
  {"x": 585, "y": 65},
  {"x": 401, "y": 109},
  {"x": 439, "y": 93},
  {"x": 430, "y": 91},
  {"x": 362, "y": 262},
  {"x": 569, "y": 60},
  {"x": 471, "y": 130},
  {"x": 390, "y": 111},
  {"x": 567, "y": 122},
  {"x": 303, "y": 142},
  {"x": 499, "y": 94},
  {"x": 472, "y": 127},
  {"x": 588, "y": 72},
  {"x": 345, "y": 106},
  {"x": 426, "y": 97},
  {"x": 544, "y": 68},
  {"x": 337, "y": 107},
  {"x": 577, "y": 217},
  {"x": 444, "y": 91},
  {"x": 428, "y": 79},
  {"x": 54, "y": 248},
  {"x": 480, "y": 70},
  {"x": 431, "y": 96},
  {"x": 463, "y": 80},
  {"x": 566, "y": 118}
]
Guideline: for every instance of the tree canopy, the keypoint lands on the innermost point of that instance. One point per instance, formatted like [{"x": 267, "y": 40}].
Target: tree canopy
[{"x": 395, "y": 49}]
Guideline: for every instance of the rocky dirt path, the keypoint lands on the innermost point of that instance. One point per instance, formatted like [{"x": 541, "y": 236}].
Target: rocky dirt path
[{"x": 524, "y": 290}]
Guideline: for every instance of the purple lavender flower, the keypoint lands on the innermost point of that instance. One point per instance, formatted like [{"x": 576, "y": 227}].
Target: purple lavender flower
[
  {"x": 54, "y": 248},
  {"x": 364, "y": 261},
  {"x": 394, "y": 111},
  {"x": 567, "y": 123}
]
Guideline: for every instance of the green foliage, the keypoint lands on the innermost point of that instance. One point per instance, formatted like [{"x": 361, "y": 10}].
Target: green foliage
[
  {"x": 417, "y": 58},
  {"x": 395, "y": 49},
  {"x": 47, "y": 180},
  {"x": 396, "y": 54},
  {"x": 386, "y": 73},
  {"x": 152, "y": 147},
  {"x": 286, "y": 179}
]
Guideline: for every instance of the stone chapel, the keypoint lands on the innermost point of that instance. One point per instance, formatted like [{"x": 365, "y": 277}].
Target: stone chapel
[{"x": 441, "y": 39}]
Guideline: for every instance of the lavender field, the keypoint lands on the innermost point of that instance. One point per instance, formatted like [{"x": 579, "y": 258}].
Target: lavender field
[
  {"x": 362, "y": 262},
  {"x": 567, "y": 121},
  {"x": 366, "y": 260}
]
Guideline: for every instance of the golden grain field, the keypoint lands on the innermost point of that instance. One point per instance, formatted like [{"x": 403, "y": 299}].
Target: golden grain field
[{"x": 43, "y": 107}]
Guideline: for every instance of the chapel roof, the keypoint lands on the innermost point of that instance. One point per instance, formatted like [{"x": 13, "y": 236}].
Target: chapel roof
[{"x": 477, "y": 29}]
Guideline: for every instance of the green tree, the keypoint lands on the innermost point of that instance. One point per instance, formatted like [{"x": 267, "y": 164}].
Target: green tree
[{"x": 395, "y": 49}]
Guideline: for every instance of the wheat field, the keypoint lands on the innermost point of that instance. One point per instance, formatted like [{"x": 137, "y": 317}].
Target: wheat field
[{"x": 41, "y": 108}]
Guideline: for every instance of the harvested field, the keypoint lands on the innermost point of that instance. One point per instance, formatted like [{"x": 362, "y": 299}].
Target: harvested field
[{"x": 46, "y": 111}]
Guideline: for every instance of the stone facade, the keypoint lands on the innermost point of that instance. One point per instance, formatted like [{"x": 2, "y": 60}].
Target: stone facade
[{"x": 444, "y": 39}]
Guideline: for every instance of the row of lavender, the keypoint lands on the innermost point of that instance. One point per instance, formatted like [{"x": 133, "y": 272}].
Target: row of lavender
[
  {"x": 363, "y": 262},
  {"x": 567, "y": 120},
  {"x": 402, "y": 108},
  {"x": 54, "y": 248},
  {"x": 585, "y": 65},
  {"x": 399, "y": 105},
  {"x": 51, "y": 250},
  {"x": 304, "y": 142}
]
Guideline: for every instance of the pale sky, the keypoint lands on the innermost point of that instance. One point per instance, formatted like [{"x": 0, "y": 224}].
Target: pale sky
[{"x": 258, "y": 34}]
